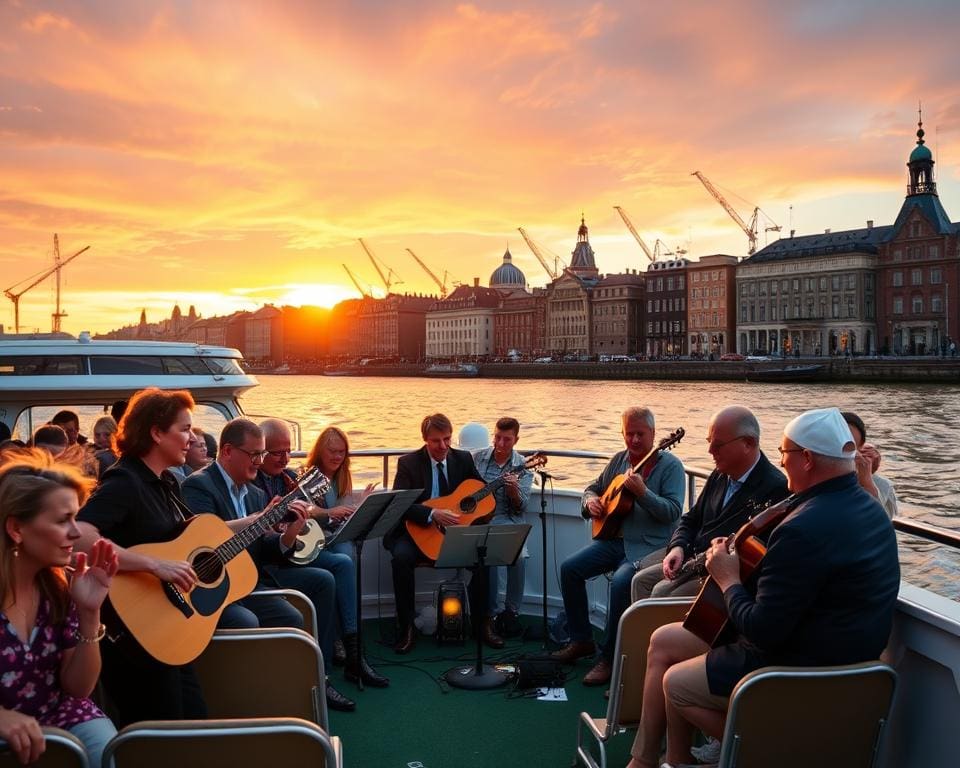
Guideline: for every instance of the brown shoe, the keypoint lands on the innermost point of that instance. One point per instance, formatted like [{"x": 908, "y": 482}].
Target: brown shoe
[
  {"x": 573, "y": 651},
  {"x": 599, "y": 674},
  {"x": 490, "y": 637},
  {"x": 406, "y": 639}
]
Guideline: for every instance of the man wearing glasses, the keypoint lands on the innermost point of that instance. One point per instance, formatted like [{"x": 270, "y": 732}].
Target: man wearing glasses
[
  {"x": 742, "y": 484},
  {"x": 225, "y": 488}
]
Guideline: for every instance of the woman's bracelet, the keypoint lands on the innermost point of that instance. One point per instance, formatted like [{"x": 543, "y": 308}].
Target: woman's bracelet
[{"x": 101, "y": 633}]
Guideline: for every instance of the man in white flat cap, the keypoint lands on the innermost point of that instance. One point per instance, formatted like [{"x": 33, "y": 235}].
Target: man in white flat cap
[{"x": 823, "y": 594}]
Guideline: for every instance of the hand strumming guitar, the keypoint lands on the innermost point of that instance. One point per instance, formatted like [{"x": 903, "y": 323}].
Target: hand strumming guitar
[
  {"x": 444, "y": 517},
  {"x": 722, "y": 564},
  {"x": 633, "y": 482},
  {"x": 289, "y": 537},
  {"x": 594, "y": 508}
]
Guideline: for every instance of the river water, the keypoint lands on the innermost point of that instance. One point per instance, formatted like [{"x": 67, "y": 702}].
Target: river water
[{"x": 914, "y": 426}]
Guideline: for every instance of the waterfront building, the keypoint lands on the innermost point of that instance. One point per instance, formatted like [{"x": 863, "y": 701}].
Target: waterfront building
[
  {"x": 343, "y": 328},
  {"x": 810, "y": 295},
  {"x": 711, "y": 305},
  {"x": 462, "y": 324},
  {"x": 569, "y": 326},
  {"x": 919, "y": 267},
  {"x": 617, "y": 314},
  {"x": 519, "y": 321},
  {"x": 263, "y": 335},
  {"x": 394, "y": 326},
  {"x": 667, "y": 308}
]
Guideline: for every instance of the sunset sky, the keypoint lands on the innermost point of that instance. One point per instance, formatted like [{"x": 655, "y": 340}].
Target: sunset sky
[{"x": 226, "y": 154}]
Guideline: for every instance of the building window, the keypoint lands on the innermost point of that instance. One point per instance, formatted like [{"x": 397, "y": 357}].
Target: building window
[
  {"x": 936, "y": 303},
  {"x": 836, "y": 308},
  {"x": 897, "y": 278},
  {"x": 917, "y": 305},
  {"x": 743, "y": 313},
  {"x": 936, "y": 276},
  {"x": 823, "y": 283},
  {"x": 809, "y": 283},
  {"x": 898, "y": 255},
  {"x": 763, "y": 288},
  {"x": 773, "y": 287},
  {"x": 809, "y": 308},
  {"x": 914, "y": 229},
  {"x": 897, "y": 305},
  {"x": 784, "y": 286},
  {"x": 934, "y": 252},
  {"x": 773, "y": 311},
  {"x": 851, "y": 282},
  {"x": 849, "y": 306},
  {"x": 796, "y": 285},
  {"x": 680, "y": 282},
  {"x": 916, "y": 277},
  {"x": 835, "y": 282}
]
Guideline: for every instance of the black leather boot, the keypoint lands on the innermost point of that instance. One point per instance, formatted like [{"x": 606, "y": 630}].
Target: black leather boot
[
  {"x": 339, "y": 653},
  {"x": 357, "y": 667},
  {"x": 337, "y": 701}
]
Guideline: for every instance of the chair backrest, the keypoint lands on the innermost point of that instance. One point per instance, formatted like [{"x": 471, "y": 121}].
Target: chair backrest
[
  {"x": 263, "y": 673},
  {"x": 299, "y": 601},
  {"x": 287, "y": 742},
  {"x": 630, "y": 655},
  {"x": 803, "y": 716},
  {"x": 63, "y": 750}
]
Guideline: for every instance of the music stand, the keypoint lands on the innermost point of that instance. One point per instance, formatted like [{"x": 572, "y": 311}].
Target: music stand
[
  {"x": 377, "y": 515},
  {"x": 480, "y": 546}
]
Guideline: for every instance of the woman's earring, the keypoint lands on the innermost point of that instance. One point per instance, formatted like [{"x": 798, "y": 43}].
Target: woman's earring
[{"x": 16, "y": 550}]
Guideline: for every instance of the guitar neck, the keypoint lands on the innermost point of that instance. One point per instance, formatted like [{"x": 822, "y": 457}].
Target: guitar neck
[{"x": 243, "y": 539}]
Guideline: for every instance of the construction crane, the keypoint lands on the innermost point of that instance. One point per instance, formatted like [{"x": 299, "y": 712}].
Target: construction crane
[
  {"x": 751, "y": 229},
  {"x": 391, "y": 278},
  {"x": 355, "y": 281},
  {"x": 58, "y": 265},
  {"x": 537, "y": 251},
  {"x": 441, "y": 284},
  {"x": 636, "y": 235}
]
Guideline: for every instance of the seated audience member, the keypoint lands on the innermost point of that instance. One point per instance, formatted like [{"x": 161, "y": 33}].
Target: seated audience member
[
  {"x": 492, "y": 462},
  {"x": 657, "y": 492},
  {"x": 70, "y": 422},
  {"x": 823, "y": 594},
  {"x": 50, "y": 629},
  {"x": 275, "y": 479},
  {"x": 868, "y": 462},
  {"x": 226, "y": 488},
  {"x": 104, "y": 429},
  {"x": 211, "y": 442},
  {"x": 742, "y": 484},
  {"x": 196, "y": 456},
  {"x": 51, "y": 438}
]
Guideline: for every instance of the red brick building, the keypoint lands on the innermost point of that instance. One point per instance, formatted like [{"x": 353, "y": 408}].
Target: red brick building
[{"x": 712, "y": 305}]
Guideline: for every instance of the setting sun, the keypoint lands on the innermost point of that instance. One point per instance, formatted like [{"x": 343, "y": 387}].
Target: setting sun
[{"x": 316, "y": 295}]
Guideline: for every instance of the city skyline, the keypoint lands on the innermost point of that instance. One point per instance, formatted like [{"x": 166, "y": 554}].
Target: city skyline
[{"x": 225, "y": 156}]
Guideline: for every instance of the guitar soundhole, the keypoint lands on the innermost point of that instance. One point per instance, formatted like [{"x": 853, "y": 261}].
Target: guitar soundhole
[
  {"x": 208, "y": 567},
  {"x": 468, "y": 504}
]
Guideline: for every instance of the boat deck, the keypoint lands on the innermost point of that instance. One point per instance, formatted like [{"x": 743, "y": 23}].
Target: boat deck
[{"x": 421, "y": 721}]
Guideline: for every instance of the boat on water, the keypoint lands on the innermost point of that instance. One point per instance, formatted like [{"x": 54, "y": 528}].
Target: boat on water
[
  {"x": 452, "y": 370},
  {"x": 788, "y": 374},
  {"x": 40, "y": 376}
]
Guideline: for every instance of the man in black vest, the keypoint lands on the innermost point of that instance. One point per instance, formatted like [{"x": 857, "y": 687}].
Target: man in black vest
[{"x": 743, "y": 483}]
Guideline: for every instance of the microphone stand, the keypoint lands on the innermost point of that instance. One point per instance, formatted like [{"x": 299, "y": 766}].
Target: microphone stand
[{"x": 544, "y": 476}]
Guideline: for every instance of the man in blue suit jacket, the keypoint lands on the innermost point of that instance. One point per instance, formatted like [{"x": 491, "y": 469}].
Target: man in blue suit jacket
[
  {"x": 824, "y": 594},
  {"x": 225, "y": 488},
  {"x": 658, "y": 500}
]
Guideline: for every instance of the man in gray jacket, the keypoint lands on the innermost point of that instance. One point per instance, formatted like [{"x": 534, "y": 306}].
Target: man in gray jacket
[{"x": 658, "y": 492}]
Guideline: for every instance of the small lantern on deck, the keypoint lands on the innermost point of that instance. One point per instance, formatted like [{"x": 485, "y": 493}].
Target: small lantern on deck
[{"x": 451, "y": 612}]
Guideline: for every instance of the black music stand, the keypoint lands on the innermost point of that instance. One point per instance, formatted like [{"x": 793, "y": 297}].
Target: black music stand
[
  {"x": 480, "y": 546},
  {"x": 377, "y": 515}
]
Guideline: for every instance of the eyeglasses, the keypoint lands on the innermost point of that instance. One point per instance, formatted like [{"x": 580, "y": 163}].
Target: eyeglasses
[
  {"x": 717, "y": 446},
  {"x": 256, "y": 457},
  {"x": 280, "y": 454},
  {"x": 790, "y": 450}
]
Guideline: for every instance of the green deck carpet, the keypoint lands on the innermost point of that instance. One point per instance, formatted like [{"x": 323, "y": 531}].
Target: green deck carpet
[{"x": 419, "y": 723}]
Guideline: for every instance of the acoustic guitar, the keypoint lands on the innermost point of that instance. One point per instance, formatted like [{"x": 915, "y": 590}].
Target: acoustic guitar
[
  {"x": 618, "y": 501},
  {"x": 707, "y": 617},
  {"x": 472, "y": 499},
  {"x": 311, "y": 540},
  {"x": 175, "y": 626}
]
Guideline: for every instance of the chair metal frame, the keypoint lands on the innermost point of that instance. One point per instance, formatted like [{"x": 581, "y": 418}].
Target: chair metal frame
[
  {"x": 299, "y": 601},
  {"x": 604, "y": 728},
  {"x": 241, "y": 728},
  {"x": 61, "y": 746}
]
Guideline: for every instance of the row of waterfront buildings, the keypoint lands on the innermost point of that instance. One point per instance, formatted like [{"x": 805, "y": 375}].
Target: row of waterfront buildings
[{"x": 890, "y": 289}]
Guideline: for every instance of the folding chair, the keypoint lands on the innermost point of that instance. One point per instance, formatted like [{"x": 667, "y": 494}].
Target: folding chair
[
  {"x": 64, "y": 750},
  {"x": 299, "y": 601}
]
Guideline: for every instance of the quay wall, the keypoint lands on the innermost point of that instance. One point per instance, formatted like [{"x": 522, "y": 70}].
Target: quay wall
[{"x": 854, "y": 370}]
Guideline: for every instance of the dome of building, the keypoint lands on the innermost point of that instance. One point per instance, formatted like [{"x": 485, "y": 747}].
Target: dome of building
[
  {"x": 921, "y": 152},
  {"x": 507, "y": 275}
]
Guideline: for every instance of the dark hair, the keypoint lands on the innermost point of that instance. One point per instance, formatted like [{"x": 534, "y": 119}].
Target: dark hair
[
  {"x": 65, "y": 417},
  {"x": 855, "y": 421},
  {"x": 436, "y": 421},
  {"x": 508, "y": 424},
  {"x": 212, "y": 446},
  {"x": 236, "y": 431},
  {"x": 118, "y": 408},
  {"x": 4, "y": 431},
  {"x": 50, "y": 434},
  {"x": 147, "y": 409}
]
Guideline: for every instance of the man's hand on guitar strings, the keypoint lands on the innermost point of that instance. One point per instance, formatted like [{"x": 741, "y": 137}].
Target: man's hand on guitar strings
[
  {"x": 634, "y": 483},
  {"x": 723, "y": 565},
  {"x": 300, "y": 509},
  {"x": 595, "y": 508},
  {"x": 444, "y": 517}
]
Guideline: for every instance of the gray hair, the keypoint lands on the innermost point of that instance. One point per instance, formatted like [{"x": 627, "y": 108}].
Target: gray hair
[
  {"x": 275, "y": 428},
  {"x": 640, "y": 413},
  {"x": 743, "y": 421}
]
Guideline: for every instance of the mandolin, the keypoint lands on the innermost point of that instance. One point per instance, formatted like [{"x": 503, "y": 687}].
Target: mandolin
[
  {"x": 707, "y": 617},
  {"x": 175, "y": 626},
  {"x": 472, "y": 499},
  {"x": 618, "y": 501}
]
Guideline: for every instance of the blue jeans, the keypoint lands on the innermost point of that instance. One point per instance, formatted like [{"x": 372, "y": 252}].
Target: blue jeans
[
  {"x": 319, "y": 586},
  {"x": 94, "y": 734},
  {"x": 345, "y": 575},
  {"x": 594, "y": 559},
  {"x": 515, "y": 575}
]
